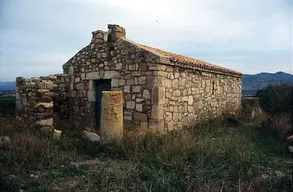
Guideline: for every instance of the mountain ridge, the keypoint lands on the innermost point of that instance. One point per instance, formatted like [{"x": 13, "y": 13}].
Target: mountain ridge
[
  {"x": 250, "y": 83},
  {"x": 8, "y": 85}
]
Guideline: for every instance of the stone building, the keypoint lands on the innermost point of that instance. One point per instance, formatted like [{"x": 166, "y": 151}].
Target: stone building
[{"x": 162, "y": 91}]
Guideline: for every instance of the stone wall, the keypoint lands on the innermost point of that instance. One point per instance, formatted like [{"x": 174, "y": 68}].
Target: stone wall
[
  {"x": 131, "y": 70},
  {"x": 156, "y": 95},
  {"x": 34, "y": 100},
  {"x": 188, "y": 95}
]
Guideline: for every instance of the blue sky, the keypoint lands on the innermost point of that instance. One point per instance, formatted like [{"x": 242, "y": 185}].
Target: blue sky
[{"x": 38, "y": 36}]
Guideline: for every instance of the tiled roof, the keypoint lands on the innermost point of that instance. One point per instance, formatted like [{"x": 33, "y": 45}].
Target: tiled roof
[{"x": 188, "y": 61}]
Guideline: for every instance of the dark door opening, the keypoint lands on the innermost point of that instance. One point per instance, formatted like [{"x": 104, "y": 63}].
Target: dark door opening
[{"x": 100, "y": 85}]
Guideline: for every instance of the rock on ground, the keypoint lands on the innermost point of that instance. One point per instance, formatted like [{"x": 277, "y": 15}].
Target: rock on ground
[
  {"x": 290, "y": 138},
  {"x": 90, "y": 136},
  {"x": 5, "y": 142}
]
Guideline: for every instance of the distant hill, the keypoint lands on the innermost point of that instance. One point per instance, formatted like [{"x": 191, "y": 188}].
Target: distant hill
[
  {"x": 252, "y": 83},
  {"x": 7, "y": 86}
]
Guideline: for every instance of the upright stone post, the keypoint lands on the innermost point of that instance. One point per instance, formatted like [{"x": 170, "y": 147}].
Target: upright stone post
[{"x": 111, "y": 116}]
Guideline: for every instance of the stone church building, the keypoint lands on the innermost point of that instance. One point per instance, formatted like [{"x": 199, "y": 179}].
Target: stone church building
[{"x": 162, "y": 91}]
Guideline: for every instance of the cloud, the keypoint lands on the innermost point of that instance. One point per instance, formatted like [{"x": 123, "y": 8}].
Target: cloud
[
  {"x": 32, "y": 64},
  {"x": 213, "y": 30}
]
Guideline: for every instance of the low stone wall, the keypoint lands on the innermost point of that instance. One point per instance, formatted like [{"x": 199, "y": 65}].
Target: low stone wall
[
  {"x": 34, "y": 99},
  {"x": 250, "y": 108}
]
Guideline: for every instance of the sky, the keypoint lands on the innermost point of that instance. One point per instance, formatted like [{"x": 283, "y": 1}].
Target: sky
[{"x": 38, "y": 36}]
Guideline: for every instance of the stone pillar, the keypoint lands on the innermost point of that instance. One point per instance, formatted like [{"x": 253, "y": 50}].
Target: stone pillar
[
  {"x": 115, "y": 32},
  {"x": 157, "y": 113},
  {"x": 44, "y": 113},
  {"x": 99, "y": 36},
  {"x": 112, "y": 116}
]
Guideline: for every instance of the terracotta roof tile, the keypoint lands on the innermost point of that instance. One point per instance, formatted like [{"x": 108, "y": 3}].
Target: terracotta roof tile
[{"x": 190, "y": 61}]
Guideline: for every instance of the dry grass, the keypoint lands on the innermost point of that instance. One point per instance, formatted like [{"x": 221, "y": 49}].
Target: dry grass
[{"x": 212, "y": 156}]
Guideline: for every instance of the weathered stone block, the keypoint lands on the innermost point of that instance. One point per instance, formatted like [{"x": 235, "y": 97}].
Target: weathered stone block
[
  {"x": 118, "y": 66},
  {"x": 139, "y": 100},
  {"x": 122, "y": 82},
  {"x": 77, "y": 79},
  {"x": 176, "y": 93},
  {"x": 170, "y": 125},
  {"x": 112, "y": 116},
  {"x": 140, "y": 116},
  {"x": 127, "y": 115},
  {"x": 130, "y": 104},
  {"x": 168, "y": 116},
  {"x": 91, "y": 96},
  {"x": 91, "y": 137},
  {"x": 136, "y": 89},
  {"x": 184, "y": 98},
  {"x": 115, "y": 83},
  {"x": 142, "y": 80},
  {"x": 152, "y": 66},
  {"x": 93, "y": 75},
  {"x": 146, "y": 94},
  {"x": 138, "y": 107},
  {"x": 126, "y": 89},
  {"x": 45, "y": 122},
  {"x": 157, "y": 112},
  {"x": 158, "y": 95},
  {"x": 151, "y": 81}
]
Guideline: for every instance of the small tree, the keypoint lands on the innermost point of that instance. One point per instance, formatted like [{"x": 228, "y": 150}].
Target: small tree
[{"x": 276, "y": 99}]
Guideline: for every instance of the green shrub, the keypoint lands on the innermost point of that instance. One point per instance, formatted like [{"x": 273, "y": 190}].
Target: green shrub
[
  {"x": 276, "y": 99},
  {"x": 7, "y": 106},
  {"x": 277, "y": 102}
]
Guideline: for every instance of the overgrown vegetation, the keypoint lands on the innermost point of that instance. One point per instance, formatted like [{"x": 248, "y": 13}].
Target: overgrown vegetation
[
  {"x": 276, "y": 99},
  {"x": 211, "y": 156},
  {"x": 7, "y": 106},
  {"x": 277, "y": 102},
  {"x": 228, "y": 155}
]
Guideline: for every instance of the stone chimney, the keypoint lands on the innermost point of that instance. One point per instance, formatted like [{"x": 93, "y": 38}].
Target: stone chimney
[
  {"x": 115, "y": 32},
  {"x": 99, "y": 36}
]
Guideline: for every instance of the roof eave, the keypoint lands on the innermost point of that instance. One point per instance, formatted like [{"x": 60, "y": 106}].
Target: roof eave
[{"x": 167, "y": 61}]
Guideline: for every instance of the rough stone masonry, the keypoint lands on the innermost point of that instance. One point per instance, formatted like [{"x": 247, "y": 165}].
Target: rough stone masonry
[{"x": 161, "y": 90}]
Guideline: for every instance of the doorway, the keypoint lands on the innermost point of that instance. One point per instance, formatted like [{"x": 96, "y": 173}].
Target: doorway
[{"x": 100, "y": 85}]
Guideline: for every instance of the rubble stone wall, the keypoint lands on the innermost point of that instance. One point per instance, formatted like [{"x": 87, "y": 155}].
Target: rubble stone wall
[
  {"x": 34, "y": 100},
  {"x": 156, "y": 96},
  {"x": 131, "y": 69},
  {"x": 189, "y": 95},
  {"x": 158, "y": 93}
]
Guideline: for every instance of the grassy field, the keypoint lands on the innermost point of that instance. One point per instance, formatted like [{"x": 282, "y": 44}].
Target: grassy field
[{"x": 212, "y": 156}]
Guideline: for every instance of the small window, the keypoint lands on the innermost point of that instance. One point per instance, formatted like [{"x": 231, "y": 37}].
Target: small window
[{"x": 213, "y": 88}]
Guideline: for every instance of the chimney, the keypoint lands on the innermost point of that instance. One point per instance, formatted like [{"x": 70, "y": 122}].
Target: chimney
[
  {"x": 99, "y": 36},
  {"x": 115, "y": 32}
]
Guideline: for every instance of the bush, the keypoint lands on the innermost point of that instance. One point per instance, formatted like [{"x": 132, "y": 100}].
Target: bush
[
  {"x": 280, "y": 125},
  {"x": 276, "y": 99},
  {"x": 277, "y": 102},
  {"x": 7, "y": 106}
]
